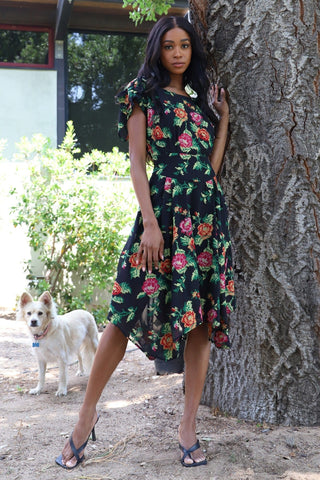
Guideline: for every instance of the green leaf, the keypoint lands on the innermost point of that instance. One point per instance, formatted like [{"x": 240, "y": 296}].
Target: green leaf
[{"x": 147, "y": 9}]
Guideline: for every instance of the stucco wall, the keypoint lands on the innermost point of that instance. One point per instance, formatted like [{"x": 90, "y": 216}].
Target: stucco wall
[{"x": 28, "y": 100}]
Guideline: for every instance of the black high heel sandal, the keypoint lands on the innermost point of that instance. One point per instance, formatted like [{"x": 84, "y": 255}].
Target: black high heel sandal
[{"x": 76, "y": 451}]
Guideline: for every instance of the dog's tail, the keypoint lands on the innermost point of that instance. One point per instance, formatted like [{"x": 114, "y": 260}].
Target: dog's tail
[{"x": 89, "y": 346}]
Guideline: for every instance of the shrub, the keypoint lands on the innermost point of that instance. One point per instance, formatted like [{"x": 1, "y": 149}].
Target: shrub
[{"x": 75, "y": 217}]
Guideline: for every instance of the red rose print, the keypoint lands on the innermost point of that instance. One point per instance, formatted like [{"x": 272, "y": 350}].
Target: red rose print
[
  {"x": 181, "y": 113},
  {"x": 188, "y": 319},
  {"x": 167, "y": 342},
  {"x": 185, "y": 140},
  {"x": 205, "y": 259},
  {"x": 116, "y": 289},
  {"x": 150, "y": 117},
  {"x": 203, "y": 134},
  {"x": 222, "y": 281},
  {"x": 157, "y": 133},
  {"x": 186, "y": 226},
  {"x": 205, "y": 229},
  {"x": 134, "y": 262},
  {"x": 191, "y": 245},
  {"x": 167, "y": 184},
  {"x": 165, "y": 266},
  {"x": 150, "y": 286},
  {"x": 212, "y": 314},
  {"x": 179, "y": 261},
  {"x": 220, "y": 338},
  {"x": 230, "y": 286},
  {"x": 174, "y": 233},
  {"x": 228, "y": 310},
  {"x": 196, "y": 117}
]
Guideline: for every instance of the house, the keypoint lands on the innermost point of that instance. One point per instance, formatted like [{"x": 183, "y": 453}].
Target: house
[{"x": 33, "y": 63}]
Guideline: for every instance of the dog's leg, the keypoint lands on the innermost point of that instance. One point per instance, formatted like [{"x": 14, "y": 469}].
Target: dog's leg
[
  {"x": 42, "y": 374},
  {"x": 63, "y": 378},
  {"x": 80, "y": 371}
]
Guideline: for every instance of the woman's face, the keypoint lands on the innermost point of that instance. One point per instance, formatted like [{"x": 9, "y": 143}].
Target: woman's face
[{"x": 176, "y": 51}]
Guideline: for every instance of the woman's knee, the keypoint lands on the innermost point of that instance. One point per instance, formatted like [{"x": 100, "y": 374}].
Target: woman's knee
[{"x": 200, "y": 332}]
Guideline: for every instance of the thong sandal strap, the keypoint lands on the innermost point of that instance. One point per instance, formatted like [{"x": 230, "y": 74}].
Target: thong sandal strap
[
  {"x": 76, "y": 452},
  {"x": 186, "y": 452}
]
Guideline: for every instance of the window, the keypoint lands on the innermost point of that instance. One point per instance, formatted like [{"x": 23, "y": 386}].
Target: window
[
  {"x": 26, "y": 47},
  {"x": 98, "y": 66}
]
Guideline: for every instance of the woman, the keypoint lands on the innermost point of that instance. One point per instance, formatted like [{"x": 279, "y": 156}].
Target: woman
[{"x": 175, "y": 279}]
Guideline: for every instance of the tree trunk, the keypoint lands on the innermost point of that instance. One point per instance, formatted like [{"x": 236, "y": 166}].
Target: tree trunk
[{"x": 266, "y": 53}]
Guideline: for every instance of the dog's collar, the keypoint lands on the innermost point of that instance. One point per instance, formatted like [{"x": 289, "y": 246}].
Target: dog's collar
[{"x": 43, "y": 334}]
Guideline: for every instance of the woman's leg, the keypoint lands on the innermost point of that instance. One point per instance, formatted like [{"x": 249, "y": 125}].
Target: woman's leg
[
  {"x": 196, "y": 358},
  {"x": 111, "y": 349}
]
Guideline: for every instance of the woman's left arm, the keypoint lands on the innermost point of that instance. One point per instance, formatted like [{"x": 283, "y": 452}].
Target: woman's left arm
[{"x": 220, "y": 140}]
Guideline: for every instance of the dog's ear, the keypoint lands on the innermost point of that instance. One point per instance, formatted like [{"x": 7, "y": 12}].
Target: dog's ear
[
  {"x": 46, "y": 299},
  {"x": 25, "y": 298}
]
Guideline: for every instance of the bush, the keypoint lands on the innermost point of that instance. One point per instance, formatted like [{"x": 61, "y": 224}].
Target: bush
[{"x": 75, "y": 217}]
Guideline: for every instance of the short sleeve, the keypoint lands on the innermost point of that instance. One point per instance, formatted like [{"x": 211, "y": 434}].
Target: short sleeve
[{"x": 133, "y": 93}]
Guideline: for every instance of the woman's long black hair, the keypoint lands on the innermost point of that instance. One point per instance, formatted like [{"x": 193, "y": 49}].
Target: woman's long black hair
[{"x": 195, "y": 76}]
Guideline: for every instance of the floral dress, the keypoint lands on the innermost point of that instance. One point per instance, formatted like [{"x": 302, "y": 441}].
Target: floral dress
[{"x": 194, "y": 282}]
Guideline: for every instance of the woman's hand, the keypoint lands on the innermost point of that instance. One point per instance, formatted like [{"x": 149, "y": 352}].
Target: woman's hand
[
  {"x": 151, "y": 247},
  {"x": 219, "y": 100},
  {"x": 221, "y": 105}
]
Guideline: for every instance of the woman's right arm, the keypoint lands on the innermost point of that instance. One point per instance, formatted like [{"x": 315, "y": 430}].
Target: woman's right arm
[{"x": 151, "y": 246}]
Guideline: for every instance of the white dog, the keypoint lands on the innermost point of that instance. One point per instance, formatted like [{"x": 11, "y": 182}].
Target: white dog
[{"x": 58, "y": 337}]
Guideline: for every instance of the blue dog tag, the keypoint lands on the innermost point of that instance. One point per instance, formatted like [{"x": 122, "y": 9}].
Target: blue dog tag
[{"x": 35, "y": 344}]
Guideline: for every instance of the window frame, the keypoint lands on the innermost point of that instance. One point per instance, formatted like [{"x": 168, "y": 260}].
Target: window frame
[{"x": 25, "y": 28}]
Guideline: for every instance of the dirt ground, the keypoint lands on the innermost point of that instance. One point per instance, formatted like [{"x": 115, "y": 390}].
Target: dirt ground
[{"x": 137, "y": 429}]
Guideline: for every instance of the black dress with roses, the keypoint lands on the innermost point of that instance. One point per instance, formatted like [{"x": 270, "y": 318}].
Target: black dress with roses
[{"x": 194, "y": 282}]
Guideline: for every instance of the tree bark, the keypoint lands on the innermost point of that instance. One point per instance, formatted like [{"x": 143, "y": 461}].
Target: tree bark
[{"x": 266, "y": 53}]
